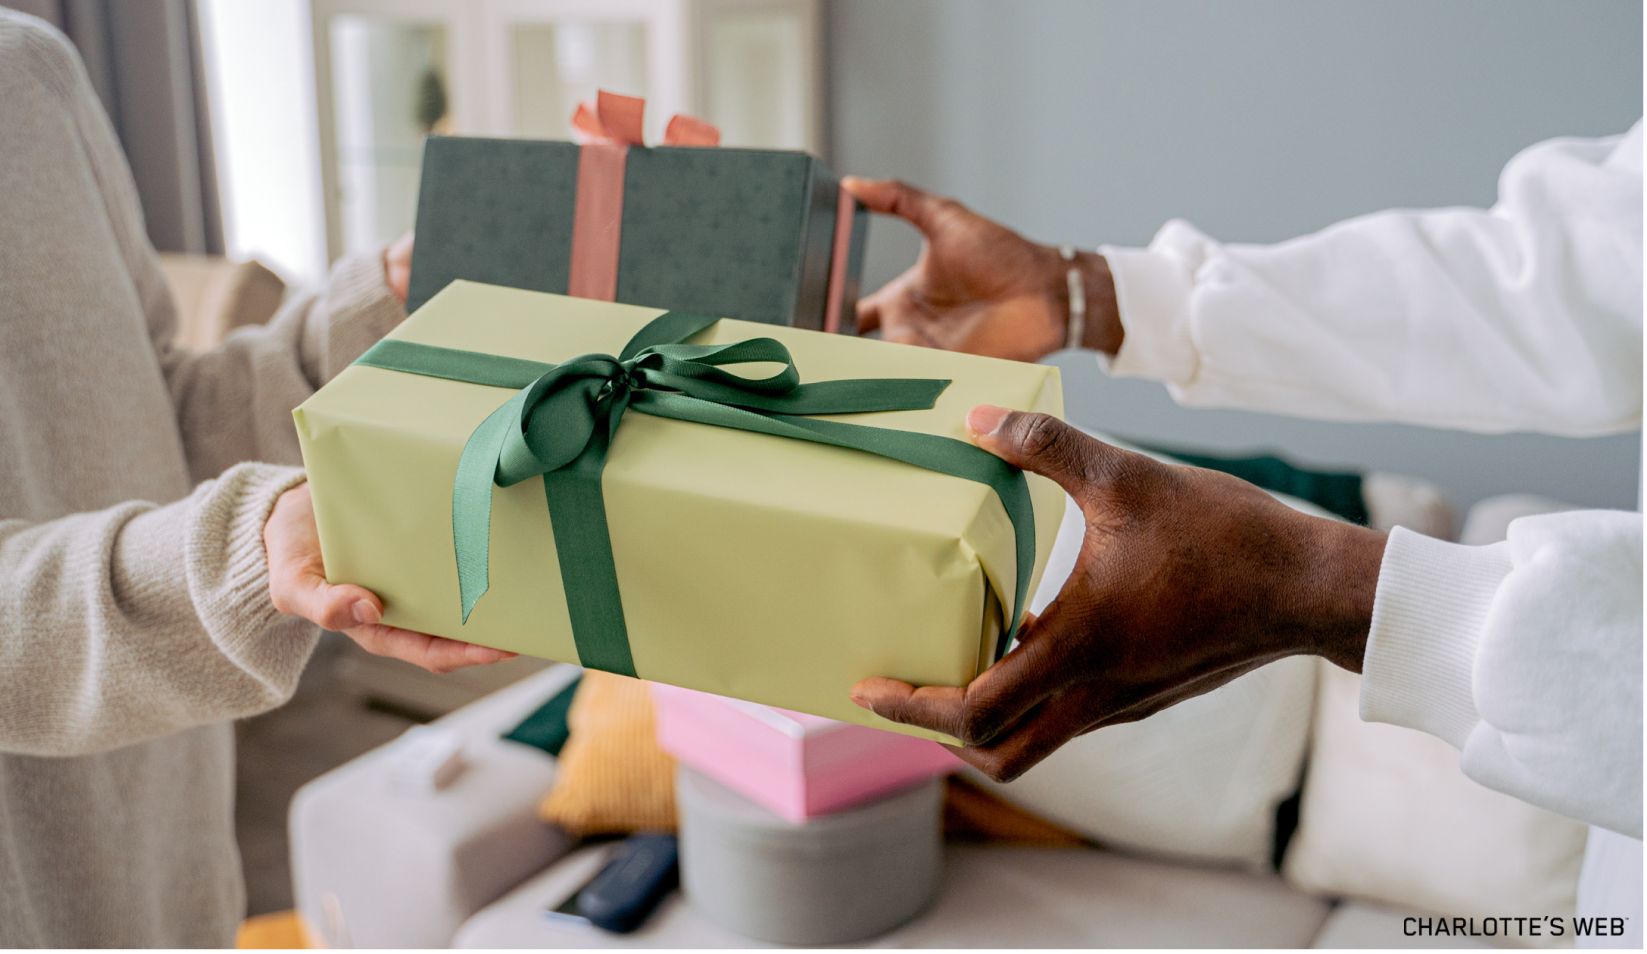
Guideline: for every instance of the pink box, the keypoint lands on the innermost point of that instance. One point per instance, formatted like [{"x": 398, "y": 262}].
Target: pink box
[{"x": 798, "y": 765}]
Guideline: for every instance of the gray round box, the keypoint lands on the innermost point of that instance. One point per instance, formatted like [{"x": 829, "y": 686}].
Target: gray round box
[{"x": 830, "y": 880}]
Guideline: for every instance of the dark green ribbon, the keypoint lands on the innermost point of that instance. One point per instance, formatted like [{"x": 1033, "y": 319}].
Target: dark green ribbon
[{"x": 561, "y": 422}]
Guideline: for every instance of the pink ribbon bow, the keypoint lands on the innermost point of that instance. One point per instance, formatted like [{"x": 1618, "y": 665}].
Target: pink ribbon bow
[
  {"x": 606, "y": 131},
  {"x": 617, "y": 119},
  {"x": 605, "y": 134}
]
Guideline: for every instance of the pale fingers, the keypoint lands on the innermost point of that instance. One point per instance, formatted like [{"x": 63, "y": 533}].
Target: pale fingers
[
  {"x": 299, "y": 592},
  {"x": 434, "y": 653}
]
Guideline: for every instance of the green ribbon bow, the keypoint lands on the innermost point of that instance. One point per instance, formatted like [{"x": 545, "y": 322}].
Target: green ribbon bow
[{"x": 561, "y": 422}]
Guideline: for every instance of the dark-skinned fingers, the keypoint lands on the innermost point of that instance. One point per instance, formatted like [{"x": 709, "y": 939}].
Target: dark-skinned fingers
[
  {"x": 987, "y": 707},
  {"x": 1072, "y": 713},
  {"x": 1039, "y": 734},
  {"x": 872, "y": 308},
  {"x": 1036, "y": 669},
  {"x": 920, "y": 208},
  {"x": 907, "y": 333},
  {"x": 930, "y": 707},
  {"x": 902, "y": 323},
  {"x": 943, "y": 709},
  {"x": 869, "y": 314},
  {"x": 1040, "y": 444}
]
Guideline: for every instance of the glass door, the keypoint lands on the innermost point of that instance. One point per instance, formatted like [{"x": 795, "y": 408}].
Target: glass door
[{"x": 389, "y": 90}]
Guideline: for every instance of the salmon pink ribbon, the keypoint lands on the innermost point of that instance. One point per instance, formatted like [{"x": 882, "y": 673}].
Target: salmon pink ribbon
[
  {"x": 605, "y": 131},
  {"x": 605, "y": 134},
  {"x": 617, "y": 120}
]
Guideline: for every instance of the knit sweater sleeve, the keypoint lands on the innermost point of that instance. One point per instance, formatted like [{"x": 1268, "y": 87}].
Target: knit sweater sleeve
[
  {"x": 233, "y": 403},
  {"x": 107, "y": 649},
  {"x": 125, "y": 621}
]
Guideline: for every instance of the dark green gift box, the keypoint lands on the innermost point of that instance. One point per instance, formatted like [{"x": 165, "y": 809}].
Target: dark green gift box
[{"x": 738, "y": 233}]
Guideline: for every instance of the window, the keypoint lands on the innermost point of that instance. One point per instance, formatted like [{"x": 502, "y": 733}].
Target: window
[{"x": 388, "y": 72}]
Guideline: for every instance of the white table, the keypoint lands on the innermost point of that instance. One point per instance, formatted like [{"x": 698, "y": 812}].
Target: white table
[{"x": 992, "y": 897}]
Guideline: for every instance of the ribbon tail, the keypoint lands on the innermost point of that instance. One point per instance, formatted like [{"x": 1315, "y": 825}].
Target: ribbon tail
[
  {"x": 583, "y": 547},
  {"x": 686, "y": 130},
  {"x": 620, "y": 117},
  {"x": 586, "y": 126},
  {"x": 472, "y": 501}
]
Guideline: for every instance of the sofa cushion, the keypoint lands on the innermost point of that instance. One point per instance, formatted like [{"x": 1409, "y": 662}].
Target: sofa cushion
[
  {"x": 1388, "y": 816},
  {"x": 1355, "y": 925},
  {"x": 613, "y": 777}
]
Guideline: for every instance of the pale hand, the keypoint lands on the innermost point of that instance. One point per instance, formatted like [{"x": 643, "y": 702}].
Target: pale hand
[
  {"x": 298, "y": 587},
  {"x": 397, "y": 266}
]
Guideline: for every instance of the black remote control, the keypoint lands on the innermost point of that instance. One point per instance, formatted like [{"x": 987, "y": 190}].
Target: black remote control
[{"x": 639, "y": 875}]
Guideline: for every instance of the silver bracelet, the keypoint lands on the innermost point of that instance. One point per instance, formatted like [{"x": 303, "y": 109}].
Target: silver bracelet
[{"x": 1077, "y": 300}]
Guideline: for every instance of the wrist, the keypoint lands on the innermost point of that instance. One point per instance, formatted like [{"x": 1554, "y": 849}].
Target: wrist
[
  {"x": 1333, "y": 591},
  {"x": 1102, "y": 329}
]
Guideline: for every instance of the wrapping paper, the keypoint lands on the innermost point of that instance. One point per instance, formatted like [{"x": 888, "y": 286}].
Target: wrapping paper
[{"x": 769, "y": 570}]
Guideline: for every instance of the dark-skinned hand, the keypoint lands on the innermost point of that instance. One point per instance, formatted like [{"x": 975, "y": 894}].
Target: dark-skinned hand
[
  {"x": 978, "y": 286},
  {"x": 1187, "y": 578}
]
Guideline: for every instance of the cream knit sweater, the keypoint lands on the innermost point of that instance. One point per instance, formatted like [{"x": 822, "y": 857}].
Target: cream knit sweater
[{"x": 134, "y": 608}]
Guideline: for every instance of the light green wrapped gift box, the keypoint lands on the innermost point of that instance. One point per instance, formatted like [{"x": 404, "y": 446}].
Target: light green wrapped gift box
[{"x": 775, "y": 570}]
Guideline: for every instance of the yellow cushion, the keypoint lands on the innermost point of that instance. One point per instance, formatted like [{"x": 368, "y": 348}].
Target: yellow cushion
[
  {"x": 282, "y": 930},
  {"x": 612, "y": 777}
]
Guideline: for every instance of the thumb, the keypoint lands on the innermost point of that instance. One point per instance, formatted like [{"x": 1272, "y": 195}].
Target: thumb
[
  {"x": 300, "y": 590},
  {"x": 1038, "y": 443},
  {"x": 892, "y": 197},
  {"x": 869, "y": 314}
]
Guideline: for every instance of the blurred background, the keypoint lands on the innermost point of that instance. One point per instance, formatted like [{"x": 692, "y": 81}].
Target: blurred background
[{"x": 289, "y": 131}]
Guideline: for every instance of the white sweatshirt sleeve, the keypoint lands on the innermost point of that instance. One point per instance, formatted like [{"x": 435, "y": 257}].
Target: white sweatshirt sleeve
[
  {"x": 1526, "y": 316},
  {"x": 1527, "y": 655}
]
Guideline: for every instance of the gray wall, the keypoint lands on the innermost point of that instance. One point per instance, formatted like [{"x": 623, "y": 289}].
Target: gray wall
[{"x": 1092, "y": 122}]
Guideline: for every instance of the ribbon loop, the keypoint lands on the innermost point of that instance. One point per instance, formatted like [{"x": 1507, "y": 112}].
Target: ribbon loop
[
  {"x": 617, "y": 119},
  {"x": 560, "y": 426}
]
